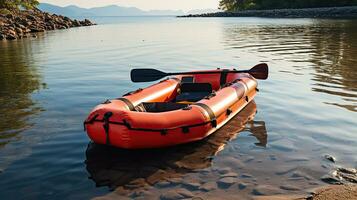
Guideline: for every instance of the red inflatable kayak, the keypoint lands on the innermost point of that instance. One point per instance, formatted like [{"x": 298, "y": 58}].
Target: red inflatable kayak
[{"x": 176, "y": 110}]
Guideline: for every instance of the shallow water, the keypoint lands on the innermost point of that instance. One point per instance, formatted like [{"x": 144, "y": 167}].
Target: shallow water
[{"x": 306, "y": 109}]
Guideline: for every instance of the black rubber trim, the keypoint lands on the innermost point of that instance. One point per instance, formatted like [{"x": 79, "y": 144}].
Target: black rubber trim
[
  {"x": 223, "y": 79},
  {"x": 127, "y": 102},
  {"x": 126, "y": 124},
  {"x": 210, "y": 113}
]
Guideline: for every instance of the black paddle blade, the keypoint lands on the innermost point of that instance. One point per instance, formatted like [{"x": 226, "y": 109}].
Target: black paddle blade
[
  {"x": 260, "y": 71},
  {"x": 146, "y": 75}
]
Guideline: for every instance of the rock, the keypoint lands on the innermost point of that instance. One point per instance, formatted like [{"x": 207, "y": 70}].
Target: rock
[
  {"x": 332, "y": 178},
  {"x": 191, "y": 185},
  {"x": 246, "y": 175},
  {"x": 289, "y": 187},
  {"x": 224, "y": 170},
  {"x": 11, "y": 35},
  {"x": 347, "y": 170},
  {"x": 266, "y": 190},
  {"x": 230, "y": 174},
  {"x": 330, "y": 158},
  {"x": 209, "y": 186},
  {"x": 176, "y": 194},
  {"x": 242, "y": 185},
  {"x": 23, "y": 22},
  {"x": 171, "y": 195},
  {"x": 18, "y": 30},
  {"x": 175, "y": 180},
  {"x": 163, "y": 184},
  {"x": 9, "y": 16},
  {"x": 30, "y": 17},
  {"x": 226, "y": 182}
]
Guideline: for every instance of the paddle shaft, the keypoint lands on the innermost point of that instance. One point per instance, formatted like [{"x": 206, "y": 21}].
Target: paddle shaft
[
  {"x": 259, "y": 71},
  {"x": 209, "y": 72}
]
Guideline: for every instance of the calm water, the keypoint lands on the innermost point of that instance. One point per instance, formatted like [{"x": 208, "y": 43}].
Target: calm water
[{"x": 308, "y": 107}]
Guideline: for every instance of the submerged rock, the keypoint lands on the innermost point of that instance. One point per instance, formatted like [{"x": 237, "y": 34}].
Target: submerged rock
[
  {"x": 209, "y": 186},
  {"x": 341, "y": 176},
  {"x": 176, "y": 194},
  {"x": 330, "y": 158},
  {"x": 226, "y": 182}
]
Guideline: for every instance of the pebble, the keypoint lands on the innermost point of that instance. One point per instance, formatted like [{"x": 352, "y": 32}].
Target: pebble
[
  {"x": 176, "y": 180},
  {"x": 191, "y": 185},
  {"x": 242, "y": 185},
  {"x": 246, "y": 175},
  {"x": 176, "y": 194},
  {"x": 224, "y": 170},
  {"x": 226, "y": 182},
  {"x": 230, "y": 174},
  {"x": 209, "y": 186},
  {"x": 163, "y": 184}
]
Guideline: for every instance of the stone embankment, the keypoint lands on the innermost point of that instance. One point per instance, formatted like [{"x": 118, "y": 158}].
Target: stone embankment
[
  {"x": 21, "y": 24},
  {"x": 331, "y": 12}
]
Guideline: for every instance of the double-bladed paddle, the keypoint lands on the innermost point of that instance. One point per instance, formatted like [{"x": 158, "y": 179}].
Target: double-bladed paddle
[{"x": 259, "y": 71}]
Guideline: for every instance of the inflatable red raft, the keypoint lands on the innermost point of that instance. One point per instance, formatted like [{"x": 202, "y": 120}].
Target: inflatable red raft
[{"x": 180, "y": 109}]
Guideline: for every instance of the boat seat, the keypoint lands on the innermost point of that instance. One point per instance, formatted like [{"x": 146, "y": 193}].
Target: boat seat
[
  {"x": 156, "y": 107},
  {"x": 192, "y": 92}
]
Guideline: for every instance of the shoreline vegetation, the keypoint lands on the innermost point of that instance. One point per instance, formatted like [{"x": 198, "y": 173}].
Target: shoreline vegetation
[
  {"x": 17, "y": 24},
  {"x": 346, "y": 12}
]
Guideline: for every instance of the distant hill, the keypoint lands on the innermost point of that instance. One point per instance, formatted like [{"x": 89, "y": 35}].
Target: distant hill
[{"x": 111, "y": 10}]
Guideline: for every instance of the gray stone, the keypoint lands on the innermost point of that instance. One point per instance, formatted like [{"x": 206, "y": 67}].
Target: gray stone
[
  {"x": 191, "y": 185},
  {"x": 163, "y": 184},
  {"x": 347, "y": 170},
  {"x": 171, "y": 195},
  {"x": 230, "y": 174},
  {"x": 226, "y": 182},
  {"x": 242, "y": 185},
  {"x": 246, "y": 175},
  {"x": 176, "y": 194},
  {"x": 209, "y": 186}
]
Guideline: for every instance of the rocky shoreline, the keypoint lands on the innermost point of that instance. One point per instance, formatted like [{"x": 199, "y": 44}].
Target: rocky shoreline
[
  {"x": 21, "y": 24},
  {"x": 348, "y": 12}
]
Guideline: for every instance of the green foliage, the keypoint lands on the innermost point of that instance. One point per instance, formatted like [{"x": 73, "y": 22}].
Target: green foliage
[
  {"x": 234, "y": 5},
  {"x": 16, "y": 4}
]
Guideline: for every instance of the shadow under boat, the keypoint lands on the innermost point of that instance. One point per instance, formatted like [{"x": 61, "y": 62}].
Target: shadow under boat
[{"x": 131, "y": 169}]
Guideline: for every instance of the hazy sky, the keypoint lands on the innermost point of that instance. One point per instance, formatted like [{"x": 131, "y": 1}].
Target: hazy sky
[{"x": 142, "y": 4}]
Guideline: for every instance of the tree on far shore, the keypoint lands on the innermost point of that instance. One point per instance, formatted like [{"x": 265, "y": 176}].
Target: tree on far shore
[
  {"x": 236, "y": 5},
  {"x": 17, "y": 4}
]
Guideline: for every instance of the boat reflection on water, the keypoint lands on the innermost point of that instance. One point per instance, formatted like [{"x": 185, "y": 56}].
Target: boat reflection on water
[{"x": 132, "y": 169}]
